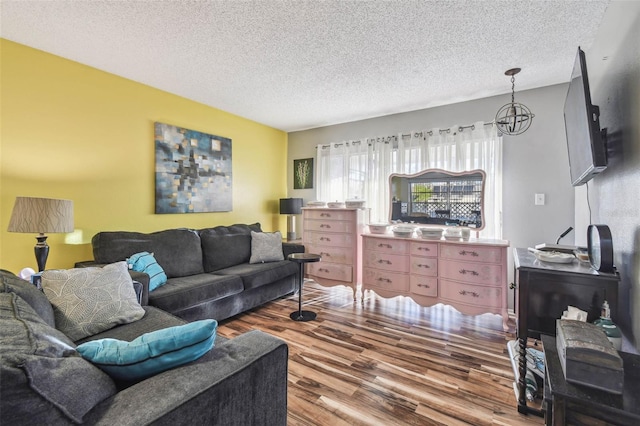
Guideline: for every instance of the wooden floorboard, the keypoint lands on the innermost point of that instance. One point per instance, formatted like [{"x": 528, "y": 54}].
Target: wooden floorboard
[{"x": 388, "y": 361}]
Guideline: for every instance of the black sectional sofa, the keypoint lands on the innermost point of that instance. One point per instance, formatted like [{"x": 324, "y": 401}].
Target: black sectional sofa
[
  {"x": 241, "y": 381},
  {"x": 208, "y": 270}
]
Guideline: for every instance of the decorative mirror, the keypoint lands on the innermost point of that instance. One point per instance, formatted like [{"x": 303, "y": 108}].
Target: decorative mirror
[{"x": 438, "y": 197}]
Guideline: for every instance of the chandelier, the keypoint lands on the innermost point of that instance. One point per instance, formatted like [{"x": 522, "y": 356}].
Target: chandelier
[{"x": 513, "y": 118}]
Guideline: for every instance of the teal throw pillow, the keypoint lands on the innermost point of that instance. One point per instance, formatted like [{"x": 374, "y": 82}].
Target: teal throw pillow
[
  {"x": 146, "y": 263},
  {"x": 152, "y": 352}
]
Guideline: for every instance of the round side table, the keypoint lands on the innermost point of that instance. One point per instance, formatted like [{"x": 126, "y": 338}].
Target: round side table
[{"x": 301, "y": 259}]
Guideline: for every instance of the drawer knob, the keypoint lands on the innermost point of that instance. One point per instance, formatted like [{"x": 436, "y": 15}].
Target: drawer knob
[
  {"x": 384, "y": 280},
  {"x": 325, "y": 214},
  {"x": 323, "y": 270},
  {"x": 470, "y": 253},
  {"x": 472, "y": 293},
  {"x": 325, "y": 239},
  {"x": 323, "y": 254},
  {"x": 382, "y": 245},
  {"x": 467, "y": 271},
  {"x": 324, "y": 225},
  {"x": 424, "y": 285},
  {"x": 385, "y": 261},
  {"x": 421, "y": 265},
  {"x": 424, "y": 248}
]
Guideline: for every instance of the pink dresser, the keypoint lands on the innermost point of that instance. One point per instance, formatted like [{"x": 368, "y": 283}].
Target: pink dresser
[
  {"x": 335, "y": 234},
  {"x": 470, "y": 276}
]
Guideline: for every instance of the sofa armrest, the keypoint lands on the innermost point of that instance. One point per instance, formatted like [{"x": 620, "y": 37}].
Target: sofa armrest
[
  {"x": 290, "y": 248},
  {"x": 140, "y": 277},
  {"x": 243, "y": 381}
]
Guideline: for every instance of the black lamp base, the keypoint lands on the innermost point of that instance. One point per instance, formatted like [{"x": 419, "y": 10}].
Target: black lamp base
[{"x": 42, "y": 251}]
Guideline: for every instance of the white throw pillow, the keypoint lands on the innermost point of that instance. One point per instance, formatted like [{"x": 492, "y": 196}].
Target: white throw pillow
[
  {"x": 266, "y": 247},
  {"x": 87, "y": 301}
]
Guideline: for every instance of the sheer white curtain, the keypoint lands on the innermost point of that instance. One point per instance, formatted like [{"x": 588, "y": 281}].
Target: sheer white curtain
[{"x": 360, "y": 169}]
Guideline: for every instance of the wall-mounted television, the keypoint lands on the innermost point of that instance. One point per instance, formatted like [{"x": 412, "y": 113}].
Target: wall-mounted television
[{"x": 585, "y": 142}]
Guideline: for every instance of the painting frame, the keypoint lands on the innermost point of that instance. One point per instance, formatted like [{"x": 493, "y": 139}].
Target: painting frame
[
  {"x": 193, "y": 171},
  {"x": 303, "y": 173}
]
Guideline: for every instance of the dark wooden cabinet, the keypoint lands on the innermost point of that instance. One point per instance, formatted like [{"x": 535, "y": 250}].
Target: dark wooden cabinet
[{"x": 543, "y": 291}]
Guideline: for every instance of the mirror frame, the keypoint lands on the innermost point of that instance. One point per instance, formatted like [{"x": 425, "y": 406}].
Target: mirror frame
[{"x": 425, "y": 174}]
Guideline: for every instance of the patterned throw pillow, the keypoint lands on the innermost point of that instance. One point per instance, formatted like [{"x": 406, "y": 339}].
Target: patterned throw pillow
[
  {"x": 152, "y": 352},
  {"x": 87, "y": 301},
  {"x": 146, "y": 263},
  {"x": 266, "y": 247}
]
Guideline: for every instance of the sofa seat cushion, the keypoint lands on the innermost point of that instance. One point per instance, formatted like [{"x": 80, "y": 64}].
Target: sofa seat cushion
[
  {"x": 44, "y": 380},
  {"x": 259, "y": 274},
  {"x": 181, "y": 293},
  {"x": 178, "y": 251}
]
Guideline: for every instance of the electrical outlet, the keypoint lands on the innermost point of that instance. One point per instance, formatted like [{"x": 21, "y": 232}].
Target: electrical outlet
[{"x": 539, "y": 200}]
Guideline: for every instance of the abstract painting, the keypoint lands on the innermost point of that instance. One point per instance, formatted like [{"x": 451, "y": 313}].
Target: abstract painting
[
  {"x": 193, "y": 171},
  {"x": 303, "y": 173}
]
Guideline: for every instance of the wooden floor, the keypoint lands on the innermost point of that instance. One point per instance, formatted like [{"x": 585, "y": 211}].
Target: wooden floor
[{"x": 389, "y": 361}]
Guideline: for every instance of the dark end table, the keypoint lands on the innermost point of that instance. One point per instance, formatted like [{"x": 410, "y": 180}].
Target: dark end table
[
  {"x": 568, "y": 400},
  {"x": 302, "y": 259}
]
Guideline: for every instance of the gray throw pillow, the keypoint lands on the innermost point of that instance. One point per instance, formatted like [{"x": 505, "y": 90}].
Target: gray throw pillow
[
  {"x": 87, "y": 301},
  {"x": 29, "y": 293},
  {"x": 44, "y": 380},
  {"x": 266, "y": 247}
]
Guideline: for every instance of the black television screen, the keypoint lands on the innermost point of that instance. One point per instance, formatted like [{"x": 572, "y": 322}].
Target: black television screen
[{"x": 587, "y": 150}]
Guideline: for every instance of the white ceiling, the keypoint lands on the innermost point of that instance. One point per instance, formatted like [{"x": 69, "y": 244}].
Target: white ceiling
[{"x": 296, "y": 65}]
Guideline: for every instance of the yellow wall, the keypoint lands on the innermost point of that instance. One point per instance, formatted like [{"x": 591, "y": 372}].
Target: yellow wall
[{"x": 71, "y": 131}]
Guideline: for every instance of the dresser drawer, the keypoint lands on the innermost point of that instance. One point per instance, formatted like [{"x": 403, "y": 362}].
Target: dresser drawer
[
  {"x": 332, "y": 254},
  {"x": 329, "y": 226},
  {"x": 386, "y": 245},
  {"x": 327, "y": 238},
  {"x": 386, "y": 261},
  {"x": 424, "y": 249},
  {"x": 471, "y": 253},
  {"x": 424, "y": 286},
  {"x": 331, "y": 271},
  {"x": 478, "y": 273},
  {"x": 424, "y": 266},
  {"x": 384, "y": 280},
  {"x": 470, "y": 294},
  {"x": 327, "y": 214}
]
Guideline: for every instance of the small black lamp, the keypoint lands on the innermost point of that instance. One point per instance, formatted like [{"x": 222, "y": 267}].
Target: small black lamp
[{"x": 291, "y": 207}]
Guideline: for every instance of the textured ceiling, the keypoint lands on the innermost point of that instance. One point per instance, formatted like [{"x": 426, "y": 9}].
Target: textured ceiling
[{"x": 296, "y": 65}]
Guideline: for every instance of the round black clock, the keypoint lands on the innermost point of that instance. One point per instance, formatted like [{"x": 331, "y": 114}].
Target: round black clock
[{"x": 600, "y": 248}]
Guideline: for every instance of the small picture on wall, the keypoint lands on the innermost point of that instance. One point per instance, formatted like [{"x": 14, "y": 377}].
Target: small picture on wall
[
  {"x": 303, "y": 173},
  {"x": 193, "y": 171}
]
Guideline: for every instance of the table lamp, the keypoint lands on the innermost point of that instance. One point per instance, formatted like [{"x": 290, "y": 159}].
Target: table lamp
[
  {"x": 41, "y": 215},
  {"x": 291, "y": 207}
]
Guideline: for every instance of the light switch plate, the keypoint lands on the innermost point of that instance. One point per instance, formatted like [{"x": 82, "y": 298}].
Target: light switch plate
[{"x": 539, "y": 200}]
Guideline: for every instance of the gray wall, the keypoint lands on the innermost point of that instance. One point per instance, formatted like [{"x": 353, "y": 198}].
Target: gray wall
[
  {"x": 534, "y": 162},
  {"x": 614, "y": 195}
]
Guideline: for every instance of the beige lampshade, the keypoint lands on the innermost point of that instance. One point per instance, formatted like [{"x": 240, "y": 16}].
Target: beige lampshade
[{"x": 41, "y": 215}]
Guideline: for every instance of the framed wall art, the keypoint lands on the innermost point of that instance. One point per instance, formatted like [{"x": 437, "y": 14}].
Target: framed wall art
[
  {"x": 193, "y": 171},
  {"x": 303, "y": 173}
]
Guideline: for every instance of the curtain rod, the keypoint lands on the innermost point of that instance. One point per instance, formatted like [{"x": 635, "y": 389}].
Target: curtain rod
[{"x": 388, "y": 139}]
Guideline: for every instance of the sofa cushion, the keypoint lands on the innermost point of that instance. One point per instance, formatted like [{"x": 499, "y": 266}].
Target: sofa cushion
[
  {"x": 145, "y": 262},
  {"x": 178, "y": 251},
  {"x": 152, "y": 352},
  {"x": 184, "y": 292},
  {"x": 224, "y": 246},
  {"x": 222, "y": 251},
  {"x": 266, "y": 247},
  {"x": 87, "y": 301},
  {"x": 259, "y": 274},
  {"x": 29, "y": 293},
  {"x": 41, "y": 370}
]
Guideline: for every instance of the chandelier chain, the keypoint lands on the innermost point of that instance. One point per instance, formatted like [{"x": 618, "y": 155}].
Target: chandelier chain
[{"x": 513, "y": 88}]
